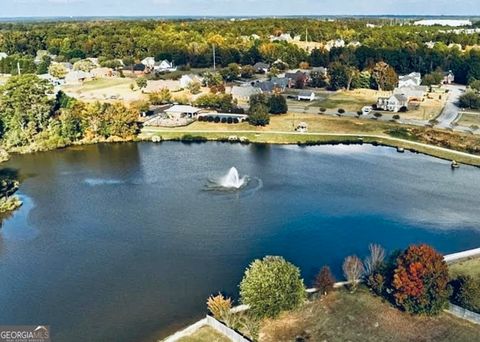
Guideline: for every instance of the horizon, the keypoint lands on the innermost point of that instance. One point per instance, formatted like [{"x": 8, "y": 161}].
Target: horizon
[{"x": 235, "y": 8}]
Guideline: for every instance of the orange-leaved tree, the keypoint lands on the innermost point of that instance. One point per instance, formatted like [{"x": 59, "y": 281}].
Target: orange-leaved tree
[{"x": 420, "y": 281}]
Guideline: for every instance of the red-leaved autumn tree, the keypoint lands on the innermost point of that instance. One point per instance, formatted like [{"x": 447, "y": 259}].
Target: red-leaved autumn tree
[{"x": 420, "y": 280}]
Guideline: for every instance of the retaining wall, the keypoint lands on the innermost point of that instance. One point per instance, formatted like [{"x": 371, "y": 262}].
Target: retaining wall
[{"x": 464, "y": 313}]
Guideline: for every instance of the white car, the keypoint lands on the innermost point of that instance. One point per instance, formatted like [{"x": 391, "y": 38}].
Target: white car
[{"x": 367, "y": 110}]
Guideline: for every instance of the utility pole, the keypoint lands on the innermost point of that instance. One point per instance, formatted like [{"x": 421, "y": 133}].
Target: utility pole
[
  {"x": 214, "y": 61},
  {"x": 18, "y": 69}
]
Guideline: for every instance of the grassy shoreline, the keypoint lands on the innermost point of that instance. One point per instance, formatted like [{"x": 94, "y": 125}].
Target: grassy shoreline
[{"x": 289, "y": 138}]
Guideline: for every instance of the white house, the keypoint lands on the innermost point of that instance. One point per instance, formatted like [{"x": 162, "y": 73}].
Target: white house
[
  {"x": 3, "y": 55},
  {"x": 149, "y": 62},
  {"x": 448, "y": 77},
  {"x": 413, "y": 93},
  {"x": 411, "y": 80},
  {"x": 393, "y": 103},
  {"x": 337, "y": 43},
  {"x": 180, "y": 112},
  {"x": 306, "y": 95},
  {"x": 186, "y": 80},
  {"x": 164, "y": 66}
]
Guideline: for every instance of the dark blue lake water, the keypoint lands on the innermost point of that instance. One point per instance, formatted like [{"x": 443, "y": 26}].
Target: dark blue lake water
[{"x": 121, "y": 242}]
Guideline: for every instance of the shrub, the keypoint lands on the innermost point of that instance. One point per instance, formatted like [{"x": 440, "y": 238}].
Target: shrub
[
  {"x": 403, "y": 109},
  {"x": 229, "y": 120},
  {"x": 235, "y": 120},
  {"x": 353, "y": 270},
  {"x": 272, "y": 285},
  {"x": 396, "y": 117},
  {"x": 420, "y": 280},
  {"x": 223, "y": 120},
  {"x": 210, "y": 119},
  {"x": 377, "y": 115},
  {"x": 217, "y": 119},
  {"x": 219, "y": 306},
  {"x": 323, "y": 110},
  {"x": 376, "y": 282},
  {"x": 359, "y": 112},
  {"x": 258, "y": 115},
  {"x": 466, "y": 292},
  {"x": 341, "y": 111},
  {"x": 324, "y": 281}
]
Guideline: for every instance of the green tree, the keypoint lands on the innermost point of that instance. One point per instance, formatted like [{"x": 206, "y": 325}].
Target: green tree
[
  {"x": 25, "y": 108},
  {"x": 277, "y": 104},
  {"x": 84, "y": 65},
  {"x": 466, "y": 292},
  {"x": 318, "y": 79},
  {"x": 475, "y": 85},
  {"x": 247, "y": 71},
  {"x": 160, "y": 97},
  {"x": 57, "y": 70},
  {"x": 420, "y": 280},
  {"x": 433, "y": 78},
  {"x": 469, "y": 100},
  {"x": 258, "y": 114},
  {"x": 141, "y": 82},
  {"x": 272, "y": 285}
]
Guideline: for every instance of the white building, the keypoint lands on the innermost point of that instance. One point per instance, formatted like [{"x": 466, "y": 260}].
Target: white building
[
  {"x": 187, "y": 80},
  {"x": 149, "y": 62},
  {"x": 443, "y": 22},
  {"x": 306, "y": 95},
  {"x": 3, "y": 55},
  {"x": 164, "y": 66},
  {"x": 77, "y": 77},
  {"x": 411, "y": 80},
  {"x": 180, "y": 112},
  {"x": 393, "y": 103}
]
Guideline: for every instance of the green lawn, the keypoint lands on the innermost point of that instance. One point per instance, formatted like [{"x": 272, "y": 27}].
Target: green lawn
[
  {"x": 205, "y": 334},
  {"x": 469, "y": 119},
  {"x": 469, "y": 266},
  {"x": 342, "y": 316}
]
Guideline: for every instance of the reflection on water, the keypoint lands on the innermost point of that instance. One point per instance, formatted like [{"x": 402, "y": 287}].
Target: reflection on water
[{"x": 115, "y": 242}]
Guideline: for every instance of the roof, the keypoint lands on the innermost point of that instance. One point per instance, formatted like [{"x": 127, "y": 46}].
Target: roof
[
  {"x": 182, "y": 109},
  {"x": 306, "y": 93},
  {"x": 261, "y": 65},
  {"x": 139, "y": 67},
  {"x": 245, "y": 91},
  {"x": 282, "y": 82},
  {"x": 296, "y": 75},
  {"x": 400, "y": 97}
]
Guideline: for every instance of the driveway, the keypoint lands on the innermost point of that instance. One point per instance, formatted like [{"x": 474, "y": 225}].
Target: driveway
[{"x": 451, "y": 110}]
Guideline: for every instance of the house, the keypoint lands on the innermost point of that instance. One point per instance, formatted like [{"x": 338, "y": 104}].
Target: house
[
  {"x": 299, "y": 78},
  {"x": 284, "y": 37},
  {"x": 177, "y": 112},
  {"x": 393, "y": 103},
  {"x": 430, "y": 44},
  {"x": 306, "y": 95},
  {"x": 243, "y": 93},
  {"x": 94, "y": 61},
  {"x": 67, "y": 65},
  {"x": 321, "y": 70},
  {"x": 282, "y": 82},
  {"x": 149, "y": 62},
  {"x": 354, "y": 44},
  {"x": 52, "y": 80},
  {"x": 101, "y": 72},
  {"x": 41, "y": 54},
  {"x": 3, "y": 55},
  {"x": 277, "y": 85},
  {"x": 337, "y": 43},
  {"x": 261, "y": 68},
  {"x": 77, "y": 77},
  {"x": 448, "y": 77},
  {"x": 411, "y": 80},
  {"x": 164, "y": 66},
  {"x": 413, "y": 93},
  {"x": 187, "y": 80}
]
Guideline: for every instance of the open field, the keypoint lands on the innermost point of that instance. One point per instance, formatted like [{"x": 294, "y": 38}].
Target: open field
[
  {"x": 205, "y": 334},
  {"x": 428, "y": 109},
  {"x": 103, "y": 89},
  {"x": 469, "y": 266},
  {"x": 351, "y": 101},
  {"x": 469, "y": 119},
  {"x": 342, "y": 316}
]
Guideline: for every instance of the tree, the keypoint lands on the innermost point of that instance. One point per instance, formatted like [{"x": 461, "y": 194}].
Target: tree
[
  {"x": 277, "y": 104},
  {"x": 420, "y": 280},
  {"x": 272, "y": 285},
  {"x": 258, "y": 115},
  {"x": 219, "y": 306},
  {"x": 324, "y": 280},
  {"x": 466, "y": 292},
  {"x": 25, "y": 108},
  {"x": 318, "y": 79},
  {"x": 84, "y": 65},
  {"x": 247, "y": 71},
  {"x": 375, "y": 260},
  {"x": 319, "y": 58},
  {"x": 475, "y": 85},
  {"x": 432, "y": 78},
  {"x": 385, "y": 76},
  {"x": 141, "y": 82},
  {"x": 353, "y": 270},
  {"x": 160, "y": 97},
  {"x": 212, "y": 79},
  {"x": 363, "y": 80},
  {"x": 469, "y": 100},
  {"x": 231, "y": 72},
  {"x": 57, "y": 70},
  {"x": 341, "y": 76},
  {"x": 194, "y": 88}
]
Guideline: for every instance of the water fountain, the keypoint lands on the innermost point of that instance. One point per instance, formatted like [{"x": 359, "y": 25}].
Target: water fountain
[{"x": 229, "y": 182}]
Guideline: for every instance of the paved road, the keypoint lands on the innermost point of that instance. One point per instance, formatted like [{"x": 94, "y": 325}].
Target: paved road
[{"x": 451, "y": 110}]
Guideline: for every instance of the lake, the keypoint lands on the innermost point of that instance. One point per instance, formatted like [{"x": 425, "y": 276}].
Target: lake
[{"x": 121, "y": 242}]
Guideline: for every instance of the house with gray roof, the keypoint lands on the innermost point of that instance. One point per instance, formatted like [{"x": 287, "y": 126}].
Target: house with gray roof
[
  {"x": 410, "y": 80},
  {"x": 393, "y": 103},
  {"x": 243, "y": 93}
]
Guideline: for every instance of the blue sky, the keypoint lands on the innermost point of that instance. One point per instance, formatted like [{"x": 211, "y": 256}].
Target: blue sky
[{"x": 14, "y": 8}]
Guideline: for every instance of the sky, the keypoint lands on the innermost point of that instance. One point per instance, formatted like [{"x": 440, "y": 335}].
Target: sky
[{"x": 49, "y": 8}]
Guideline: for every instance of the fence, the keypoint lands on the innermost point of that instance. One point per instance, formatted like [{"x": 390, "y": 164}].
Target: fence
[
  {"x": 223, "y": 329},
  {"x": 462, "y": 255},
  {"x": 464, "y": 313}
]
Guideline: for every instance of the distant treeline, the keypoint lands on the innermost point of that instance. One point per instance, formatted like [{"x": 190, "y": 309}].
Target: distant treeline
[{"x": 190, "y": 43}]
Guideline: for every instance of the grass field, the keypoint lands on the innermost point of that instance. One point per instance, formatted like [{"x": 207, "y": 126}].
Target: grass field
[
  {"x": 351, "y": 101},
  {"x": 205, "y": 334},
  {"x": 469, "y": 119},
  {"x": 469, "y": 266},
  {"x": 342, "y": 316},
  {"x": 104, "y": 88}
]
